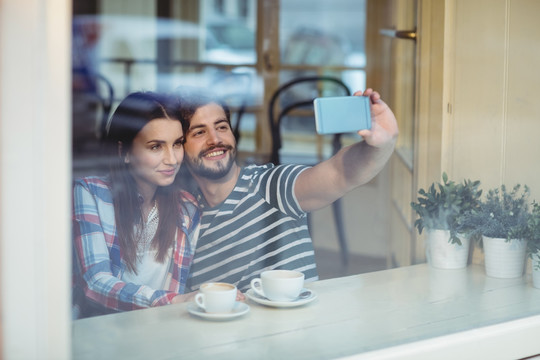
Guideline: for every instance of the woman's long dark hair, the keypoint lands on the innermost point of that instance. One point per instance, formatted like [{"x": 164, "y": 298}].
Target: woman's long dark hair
[{"x": 131, "y": 115}]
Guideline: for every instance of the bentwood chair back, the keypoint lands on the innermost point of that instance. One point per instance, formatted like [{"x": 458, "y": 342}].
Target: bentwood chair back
[{"x": 295, "y": 97}]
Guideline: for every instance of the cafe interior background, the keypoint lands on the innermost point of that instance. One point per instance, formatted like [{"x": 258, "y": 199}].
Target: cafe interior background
[{"x": 460, "y": 76}]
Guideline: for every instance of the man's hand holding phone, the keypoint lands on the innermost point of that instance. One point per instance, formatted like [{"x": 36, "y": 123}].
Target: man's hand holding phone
[
  {"x": 342, "y": 114},
  {"x": 364, "y": 113},
  {"x": 384, "y": 129}
]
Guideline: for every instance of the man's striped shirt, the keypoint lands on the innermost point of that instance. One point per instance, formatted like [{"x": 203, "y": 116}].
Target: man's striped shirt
[{"x": 259, "y": 226}]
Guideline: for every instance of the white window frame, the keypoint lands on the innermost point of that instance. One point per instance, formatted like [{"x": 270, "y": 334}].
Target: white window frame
[{"x": 35, "y": 177}]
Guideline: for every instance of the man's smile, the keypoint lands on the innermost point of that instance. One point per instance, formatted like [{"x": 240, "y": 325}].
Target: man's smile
[{"x": 214, "y": 153}]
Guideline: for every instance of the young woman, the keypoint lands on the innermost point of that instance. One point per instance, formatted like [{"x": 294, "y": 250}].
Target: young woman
[{"x": 134, "y": 231}]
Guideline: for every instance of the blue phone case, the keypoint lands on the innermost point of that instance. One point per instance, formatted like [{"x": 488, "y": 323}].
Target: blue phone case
[{"x": 342, "y": 114}]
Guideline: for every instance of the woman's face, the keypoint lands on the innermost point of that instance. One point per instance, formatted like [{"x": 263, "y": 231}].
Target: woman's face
[{"x": 156, "y": 155}]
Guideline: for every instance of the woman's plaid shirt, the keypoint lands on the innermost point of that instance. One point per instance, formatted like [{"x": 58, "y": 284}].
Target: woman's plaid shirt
[{"x": 98, "y": 264}]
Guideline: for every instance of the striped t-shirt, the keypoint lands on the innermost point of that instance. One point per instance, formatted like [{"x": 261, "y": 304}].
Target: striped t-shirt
[{"x": 260, "y": 226}]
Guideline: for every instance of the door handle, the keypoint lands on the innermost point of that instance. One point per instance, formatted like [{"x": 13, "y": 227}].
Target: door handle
[
  {"x": 267, "y": 62},
  {"x": 399, "y": 34}
]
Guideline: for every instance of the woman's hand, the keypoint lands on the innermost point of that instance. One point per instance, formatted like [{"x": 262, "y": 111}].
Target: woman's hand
[
  {"x": 240, "y": 296},
  {"x": 180, "y": 298}
]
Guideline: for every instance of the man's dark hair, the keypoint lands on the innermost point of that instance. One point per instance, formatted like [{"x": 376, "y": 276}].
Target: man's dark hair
[{"x": 192, "y": 99}]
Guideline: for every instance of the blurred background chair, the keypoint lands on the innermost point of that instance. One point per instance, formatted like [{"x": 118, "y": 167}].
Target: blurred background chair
[
  {"x": 292, "y": 102},
  {"x": 227, "y": 86},
  {"x": 93, "y": 97}
]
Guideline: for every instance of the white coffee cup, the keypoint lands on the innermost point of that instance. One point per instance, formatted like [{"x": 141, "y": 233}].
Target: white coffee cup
[
  {"x": 216, "y": 297},
  {"x": 279, "y": 285}
]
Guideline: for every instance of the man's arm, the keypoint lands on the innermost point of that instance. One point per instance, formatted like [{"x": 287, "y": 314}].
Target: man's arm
[{"x": 353, "y": 165}]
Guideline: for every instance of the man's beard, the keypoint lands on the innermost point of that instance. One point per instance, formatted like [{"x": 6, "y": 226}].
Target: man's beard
[{"x": 197, "y": 167}]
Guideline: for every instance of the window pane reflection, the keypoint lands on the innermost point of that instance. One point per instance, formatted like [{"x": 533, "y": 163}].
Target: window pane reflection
[
  {"x": 206, "y": 44},
  {"x": 323, "y": 32},
  {"x": 319, "y": 38}
]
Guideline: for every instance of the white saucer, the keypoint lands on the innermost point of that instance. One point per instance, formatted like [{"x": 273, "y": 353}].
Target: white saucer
[
  {"x": 239, "y": 309},
  {"x": 297, "y": 302}
]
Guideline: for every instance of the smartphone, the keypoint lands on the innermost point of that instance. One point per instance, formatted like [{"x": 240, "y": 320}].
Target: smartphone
[{"x": 342, "y": 114}]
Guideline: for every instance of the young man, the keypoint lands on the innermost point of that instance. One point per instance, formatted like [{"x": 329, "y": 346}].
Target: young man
[{"x": 254, "y": 218}]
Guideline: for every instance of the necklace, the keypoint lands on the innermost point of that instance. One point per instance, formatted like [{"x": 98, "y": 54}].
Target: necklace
[{"x": 147, "y": 231}]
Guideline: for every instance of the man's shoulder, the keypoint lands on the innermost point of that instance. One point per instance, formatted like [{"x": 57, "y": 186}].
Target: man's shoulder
[{"x": 252, "y": 171}]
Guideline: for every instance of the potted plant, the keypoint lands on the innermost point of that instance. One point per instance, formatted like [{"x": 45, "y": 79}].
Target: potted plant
[
  {"x": 501, "y": 225},
  {"x": 533, "y": 245},
  {"x": 440, "y": 210}
]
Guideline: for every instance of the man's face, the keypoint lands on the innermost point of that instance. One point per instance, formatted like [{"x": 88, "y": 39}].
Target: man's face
[{"x": 210, "y": 144}]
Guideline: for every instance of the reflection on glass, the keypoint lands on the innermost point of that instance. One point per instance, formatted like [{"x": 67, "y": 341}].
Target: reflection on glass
[
  {"x": 229, "y": 41},
  {"x": 319, "y": 38},
  {"x": 196, "y": 57},
  {"x": 150, "y": 52},
  {"x": 323, "y": 32},
  {"x": 135, "y": 50}
]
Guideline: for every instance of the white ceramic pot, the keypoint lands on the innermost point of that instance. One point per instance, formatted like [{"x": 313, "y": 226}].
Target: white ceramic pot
[
  {"x": 504, "y": 259},
  {"x": 442, "y": 254},
  {"x": 536, "y": 270},
  {"x": 536, "y": 278}
]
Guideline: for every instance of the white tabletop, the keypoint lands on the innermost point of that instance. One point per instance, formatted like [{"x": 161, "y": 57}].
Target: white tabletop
[{"x": 355, "y": 315}]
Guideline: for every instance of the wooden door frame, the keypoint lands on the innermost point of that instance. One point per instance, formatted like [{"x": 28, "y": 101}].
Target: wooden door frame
[
  {"x": 382, "y": 74},
  {"x": 434, "y": 48},
  {"x": 433, "y": 81}
]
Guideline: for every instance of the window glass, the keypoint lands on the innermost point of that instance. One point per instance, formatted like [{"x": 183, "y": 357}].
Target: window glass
[
  {"x": 322, "y": 32},
  {"x": 319, "y": 38},
  {"x": 130, "y": 49},
  {"x": 117, "y": 51}
]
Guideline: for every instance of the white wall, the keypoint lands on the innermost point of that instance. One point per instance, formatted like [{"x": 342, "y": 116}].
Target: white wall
[
  {"x": 495, "y": 123},
  {"x": 35, "y": 178}
]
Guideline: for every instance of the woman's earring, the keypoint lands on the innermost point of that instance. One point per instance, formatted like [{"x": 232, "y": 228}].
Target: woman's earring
[{"x": 126, "y": 158}]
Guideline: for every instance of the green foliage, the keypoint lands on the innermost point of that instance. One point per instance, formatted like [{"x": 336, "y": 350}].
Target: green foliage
[
  {"x": 533, "y": 246},
  {"x": 444, "y": 205},
  {"x": 503, "y": 214}
]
